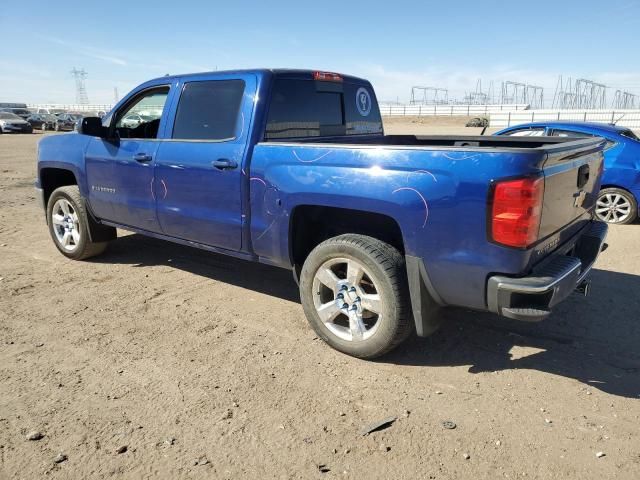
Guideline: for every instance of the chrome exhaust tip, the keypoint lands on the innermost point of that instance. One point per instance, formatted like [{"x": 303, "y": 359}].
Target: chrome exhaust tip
[{"x": 584, "y": 288}]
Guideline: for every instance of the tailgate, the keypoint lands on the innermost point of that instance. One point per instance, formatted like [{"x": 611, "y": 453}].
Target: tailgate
[{"x": 572, "y": 175}]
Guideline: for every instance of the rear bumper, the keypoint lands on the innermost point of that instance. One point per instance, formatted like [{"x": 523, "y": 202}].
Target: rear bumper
[{"x": 531, "y": 298}]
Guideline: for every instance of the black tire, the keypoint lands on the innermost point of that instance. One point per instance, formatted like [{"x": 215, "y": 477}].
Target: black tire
[
  {"x": 628, "y": 197},
  {"x": 386, "y": 268},
  {"x": 84, "y": 248}
]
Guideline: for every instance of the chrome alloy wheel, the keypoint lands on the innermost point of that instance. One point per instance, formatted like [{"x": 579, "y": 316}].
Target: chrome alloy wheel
[
  {"x": 66, "y": 226},
  {"x": 347, "y": 300},
  {"x": 613, "y": 208}
]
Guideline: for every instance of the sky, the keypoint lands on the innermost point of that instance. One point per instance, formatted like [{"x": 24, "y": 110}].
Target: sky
[{"x": 395, "y": 45}]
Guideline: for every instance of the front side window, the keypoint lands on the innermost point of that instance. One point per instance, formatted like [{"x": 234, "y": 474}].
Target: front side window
[
  {"x": 208, "y": 110},
  {"x": 528, "y": 132},
  {"x": 146, "y": 109}
]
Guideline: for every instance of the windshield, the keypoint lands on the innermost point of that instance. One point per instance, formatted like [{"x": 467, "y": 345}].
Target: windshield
[
  {"x": 9, "y": 116},
  {"x": 629, "y": 134}
]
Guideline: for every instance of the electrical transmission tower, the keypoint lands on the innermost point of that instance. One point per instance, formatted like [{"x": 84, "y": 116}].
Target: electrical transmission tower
[
  {"x": 81, "y": 91},
  {"x": 581, "y": 94},
  {"x": 429, "y": 96},
  {"x": 591, "y": 95},
  {"x": 514, "y": 93},
  {"x": 478, "y": 97},
  {"x": 622, "y": 100}
]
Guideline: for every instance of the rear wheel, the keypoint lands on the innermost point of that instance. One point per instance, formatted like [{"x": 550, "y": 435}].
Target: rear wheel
[
  {"x": 615, "y": 205},
  {"x": 69, "y": 224},
  {"x": 354, "y": 293}
]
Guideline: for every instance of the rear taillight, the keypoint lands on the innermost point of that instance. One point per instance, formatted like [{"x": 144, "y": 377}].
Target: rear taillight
[
  {"x": 327, "y": 77},
  {"x": 516, "y": 211}
]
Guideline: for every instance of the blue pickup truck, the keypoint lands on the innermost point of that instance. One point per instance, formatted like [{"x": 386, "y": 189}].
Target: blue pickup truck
[{"x": 292, "y": 168}]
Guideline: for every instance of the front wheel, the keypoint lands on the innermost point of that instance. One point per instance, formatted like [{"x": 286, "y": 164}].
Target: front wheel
[
  {"x": 615, "y": 205},
  {"x": 355, "y": 295},
  {"x": 69, "y": 224}
]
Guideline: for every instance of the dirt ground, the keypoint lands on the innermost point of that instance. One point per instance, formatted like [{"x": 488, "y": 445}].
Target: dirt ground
[
  {"x": 203, "y": 366},
  {"x": 441, "y": 125}
]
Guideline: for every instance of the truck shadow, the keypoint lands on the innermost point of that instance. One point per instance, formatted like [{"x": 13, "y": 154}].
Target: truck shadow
[
  {"x": 593, "y": 340},
  {"x": 142, "y": 251}
]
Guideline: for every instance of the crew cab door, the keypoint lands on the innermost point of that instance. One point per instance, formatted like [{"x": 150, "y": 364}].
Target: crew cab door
[
  {"x": 120, "y": 168},
  {"x": 199, "y": 165}
]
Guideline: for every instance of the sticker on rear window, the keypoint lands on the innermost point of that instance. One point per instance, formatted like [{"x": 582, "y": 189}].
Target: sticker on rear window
[{"x": 363, "y": 101}]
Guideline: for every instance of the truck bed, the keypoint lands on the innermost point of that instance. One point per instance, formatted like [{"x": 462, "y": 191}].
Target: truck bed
[
  {"x": 437, "y": 141},
  {"x": 438, "y": 189}
]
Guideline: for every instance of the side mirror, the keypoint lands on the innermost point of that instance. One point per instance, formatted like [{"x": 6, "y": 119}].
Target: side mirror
[{"x": 92, "y": 126}]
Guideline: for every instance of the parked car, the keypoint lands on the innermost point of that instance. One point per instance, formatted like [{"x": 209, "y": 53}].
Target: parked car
[
  {"x": 620, "y": 194},
  {"x": 21, "y": 112},
  {"x": 43, "y": 121},
  {"x": 132, "y": 120},
  {"x": 66, "y": 121},
  {"x": 35, "y": 121},
  {"x": 292, "y": 168},
  {"x": 12, "y": 123}
]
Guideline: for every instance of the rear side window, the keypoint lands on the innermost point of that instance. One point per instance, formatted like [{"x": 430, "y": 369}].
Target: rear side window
[
  {"x": 570, "y": 133},
  {"x": 308, "y": 108},
  {"x": 208, "y": 110}
]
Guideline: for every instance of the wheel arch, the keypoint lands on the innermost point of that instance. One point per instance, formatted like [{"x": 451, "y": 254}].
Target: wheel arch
[
  {"x": 55, "y": 177},
  {"x": 310, "y": 225}
]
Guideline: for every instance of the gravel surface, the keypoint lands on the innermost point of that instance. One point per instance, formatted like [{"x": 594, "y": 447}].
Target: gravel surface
[{"x": 161, "y": 361}]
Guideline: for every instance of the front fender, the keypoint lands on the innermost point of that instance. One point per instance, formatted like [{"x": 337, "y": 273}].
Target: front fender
[{"x": 65, "y": 151}]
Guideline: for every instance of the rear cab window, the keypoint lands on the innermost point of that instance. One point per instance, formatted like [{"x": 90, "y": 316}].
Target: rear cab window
[{"x": 304, "y": 108}]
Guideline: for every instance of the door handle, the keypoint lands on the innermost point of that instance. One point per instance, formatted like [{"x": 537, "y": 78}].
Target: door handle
[
  {"x": 225, "y": 164},
  {"x": 142, "y": 157}
]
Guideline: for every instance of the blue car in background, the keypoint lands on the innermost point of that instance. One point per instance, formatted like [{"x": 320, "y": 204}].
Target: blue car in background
[{"x": 620, "y": 191}]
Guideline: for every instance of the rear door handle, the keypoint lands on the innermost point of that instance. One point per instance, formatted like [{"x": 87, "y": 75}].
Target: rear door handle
[
  {"x": 142, "y": 157},
  {"x": 225, "y": 164}
]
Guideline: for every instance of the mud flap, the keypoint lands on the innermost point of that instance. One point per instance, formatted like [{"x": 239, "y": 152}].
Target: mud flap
[{"x": 425, "y": 301}]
